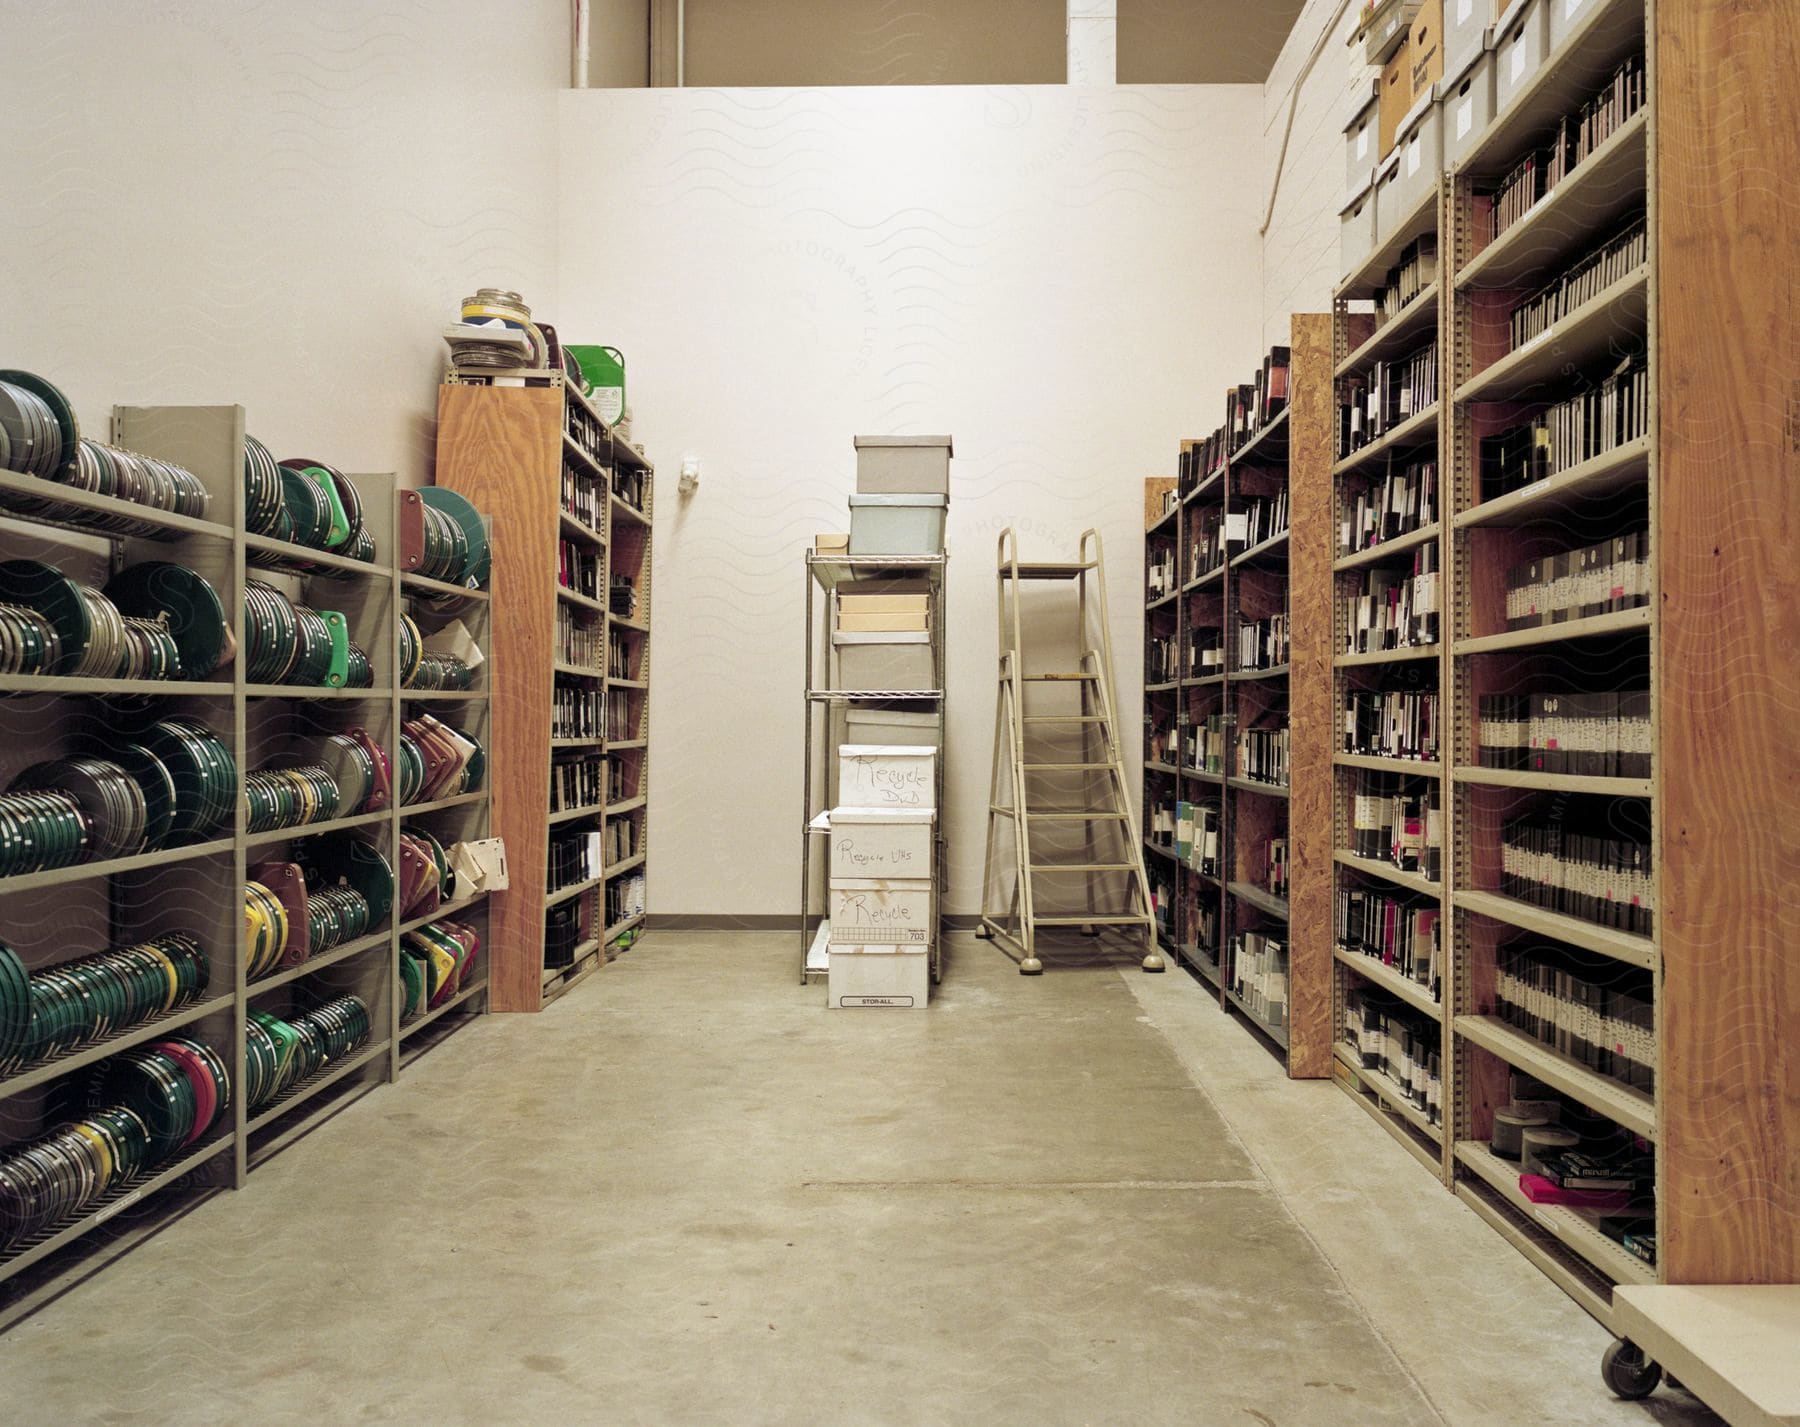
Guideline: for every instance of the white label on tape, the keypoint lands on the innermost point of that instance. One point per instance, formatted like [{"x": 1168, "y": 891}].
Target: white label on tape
[
  {"x": 1464, "y": 8},
  {"x": 1518, "y": 60},
  {"x": 1570, "y": 7},
  {"x": 1414, "y": 152},
  {"x": 1465, "y": 117},
  {"x": 1362, "y": 143}
]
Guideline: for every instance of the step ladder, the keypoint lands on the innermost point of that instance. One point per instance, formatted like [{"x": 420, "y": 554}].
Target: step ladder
[{"x": 1035, "y": 794}]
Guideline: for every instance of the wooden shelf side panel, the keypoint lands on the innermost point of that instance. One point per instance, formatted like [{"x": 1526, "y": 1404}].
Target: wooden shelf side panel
[
  {"x": 1727, "y": 495},
  {"x": 1312, "y": 718},
  {"x": 502, "y": 448}
]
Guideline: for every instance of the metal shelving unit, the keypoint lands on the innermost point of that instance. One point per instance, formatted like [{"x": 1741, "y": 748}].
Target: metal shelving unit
[
  {"x": 1289, "y": 453},
  {"x": 819, "y": 777},
  {"x": 199, "y": 889}
]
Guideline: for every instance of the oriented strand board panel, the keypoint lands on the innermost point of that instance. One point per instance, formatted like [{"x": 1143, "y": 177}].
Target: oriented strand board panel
[
  {"x": 1311, "y": 717},
  {"x": 1727, "y": 489},
  {"x": 1155, "y": 487},
  {"x": 502, "y": 448}
]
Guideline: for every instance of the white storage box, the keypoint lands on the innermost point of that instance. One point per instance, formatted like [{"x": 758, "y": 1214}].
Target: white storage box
[
  {"x": 881, "y": 842},
  {"x": 880, "y": 911},
  {"x": 903, "y": 465},
  {"x": 1390, "y": 212},
  {"x": 897, "y": 524},
  {"x": 1356, "y": 230},
  {"x": 1468, "y": 101},
  {"x": 878, "y": 978},
  {"x": 1465, "y": 31},
  {"x": 1362, "y": 140},
  {"x": 886, "y": 776},
  {"x": 883, "y": 661},
  {"x": 1566, "y": 17},
  {"x": 1387, "y": 28},
  {"x": 1520, "y": 42},
  {"x": 1421, "y": 150}
]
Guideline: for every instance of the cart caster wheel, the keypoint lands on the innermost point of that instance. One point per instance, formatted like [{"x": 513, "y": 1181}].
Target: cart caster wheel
[
  {"x": 1031, "y": 966},
  {"x": 1628, "y": 1372},
  {"x": 1090, "y": 931},
  {"x": 1155, "y": 962}
]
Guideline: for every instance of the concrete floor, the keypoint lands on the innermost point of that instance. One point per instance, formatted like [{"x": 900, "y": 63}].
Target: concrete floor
[{"x": 688, "y": 1194}]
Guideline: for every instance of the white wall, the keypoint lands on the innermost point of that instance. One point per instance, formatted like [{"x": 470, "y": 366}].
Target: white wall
[
  {"x": 1044, "y": 273},
  {"x": 1300, "y": 250},
  {"x": 273, "y": 204}
]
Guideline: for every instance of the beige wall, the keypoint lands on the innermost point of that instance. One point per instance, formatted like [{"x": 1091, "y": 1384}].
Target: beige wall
[
  {"x": 1201, "y": 41},
  {"x": 1052, "y": 275},
  {"x": 619, "y": 44},
  {"x": 1300, "y": 251},
  {"x": 801, "y": 42},
  {"x": 276, "y": 205}
]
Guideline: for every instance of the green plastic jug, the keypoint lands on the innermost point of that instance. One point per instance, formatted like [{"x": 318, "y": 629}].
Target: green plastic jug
[{"x": 604, "y": 367}]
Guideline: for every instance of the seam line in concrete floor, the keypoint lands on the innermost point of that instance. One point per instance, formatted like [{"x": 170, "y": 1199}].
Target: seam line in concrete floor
[
  {"x": 1400, "y": 1363},
  {"x": 939, "y": 1185}
]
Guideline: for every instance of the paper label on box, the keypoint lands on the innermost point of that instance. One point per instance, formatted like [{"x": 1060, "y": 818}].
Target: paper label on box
[
  {"x": 1518, "y": 60},
  {"x": 1570, "y": 7},
  {"x": 1464, "y": 8},
  {"x": 1362, "y": 143},
  {"x": 1414, "y": 152},
  {"x": 1465, "y": 117}
]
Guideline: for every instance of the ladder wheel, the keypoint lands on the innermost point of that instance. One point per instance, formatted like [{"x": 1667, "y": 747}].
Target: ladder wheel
[
  {"x": 1031, "y": 966},
  {"x": 1154, "y": 962},
  {"x": 1090, "y": 930},
  {"x": 984, "y": 933}
]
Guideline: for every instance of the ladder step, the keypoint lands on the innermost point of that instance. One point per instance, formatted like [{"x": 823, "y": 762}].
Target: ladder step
[
  {"x": 1097, "y": 919},
  {"x": 1074, "y": 815},
  {"x": 1038, "y": 867},
  {"x": 1064, "y": 718},
  {"x": 1056, "y": 678},
  {"x": 1049, "y": 569},
  {"x": 1058, "y": 767}
]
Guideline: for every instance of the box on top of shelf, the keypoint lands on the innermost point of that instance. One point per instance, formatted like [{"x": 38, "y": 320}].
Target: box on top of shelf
[
  {"x": 897, "y": 524},
  {"x": 1521, "y": 39},
  {"x": 1425, "y": 44},
  {"x": 1360, "y": 135},
  {"x": 885, "y": 613},
  {"x": 874, "y": 723},
  {"x": 1356, "y": 229},
  {"x": 1389, "y": 210},
  {"x": 881, "y": 842},
  {"x": 1465, "y": 30},
  {"x": 870, "y": 663},
  {"x": 1421, "y": 150},
  {"x": 1396, "y": 97},
  {"x": 886, "y": 775},
  {"x": 834, "y": 544},
  {"x": 903, "y": 465},
  {"x": 890, "y": 978},
  {"x": 1386, "y": 28},
  {"x": 1566, "y": 16},
  {"x": 880, "y": 911},
  {"x": 1468, "y": 102}
]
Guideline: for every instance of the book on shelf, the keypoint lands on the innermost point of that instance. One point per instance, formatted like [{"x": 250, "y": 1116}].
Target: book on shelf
[
  {"x": 1206, "y": 651},
  {"x": 1159, "y": 574},
  {"x": 1578, "y": 1169},
  {"x": 1416, "y": 271},
  {"x": 1264, "y": 643},
  {"x": 576, "y": 782},
  {"x": 1387, "y": 505},
  {"x": 1392, "y": 608},
  {"x": 1583, "y": 280},
  {"x": 1399, "y": 821},
  {"x": 1391, "y": 723},
  {"x": 575, "y": 710},
  {"x": 1209, "y": 543},
  {"x": 1605, "y": 578},
  {"x": 1275, "y": 866},
  {"x": 1262, "y": 754},
  {"x": 1263, "y": 518},
  {"x": 1259, "y": 976},
  {"x": 1388, "y": 1037},
  {"x": 1399, "y": 932},
  {"x": 578, "y": 568},
  {"x": 1577, "y": 135},
  {"x": 1586, "y": 857},
  {"x": 1597, "y": 1011},
  {"x": 1597, "y": 734},
  {"x": 1162, "y": 659},
  {"x": 1206, "y": 744},
  {"x": 1388, "y": 395},
  {"x": 1612, "y": 412}
]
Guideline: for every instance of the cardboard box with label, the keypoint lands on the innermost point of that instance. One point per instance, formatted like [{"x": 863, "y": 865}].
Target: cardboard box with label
[
  {"x": 878, "y": 978},
  {"x": 881, "y": 842},
  {"x": 886, "y": 776},
  {"x": 881, "y": 911},
  {"x": 1425, "y": 44},
  {"x": 1396, "y": 96},
  {"x": 1360, "y": 136}
]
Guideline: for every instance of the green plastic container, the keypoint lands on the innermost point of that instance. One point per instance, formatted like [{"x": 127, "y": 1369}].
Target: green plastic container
[{"x": 604, "y": 367}]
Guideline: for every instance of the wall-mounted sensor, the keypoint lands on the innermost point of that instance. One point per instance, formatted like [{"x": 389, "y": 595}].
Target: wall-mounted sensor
[{"x": 690, "y": 475}]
